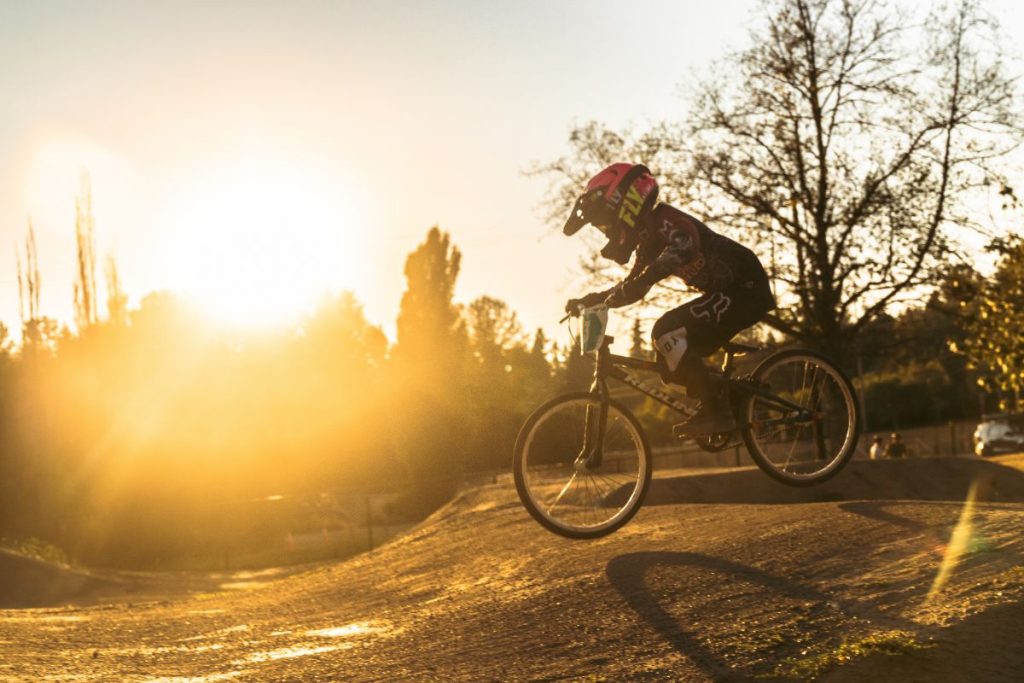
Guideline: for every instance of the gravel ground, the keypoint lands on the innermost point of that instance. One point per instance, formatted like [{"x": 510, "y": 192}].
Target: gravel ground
[{"x": 841, "y": 590}]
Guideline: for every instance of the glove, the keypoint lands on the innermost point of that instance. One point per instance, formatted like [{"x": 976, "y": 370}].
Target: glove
[
  {"x": 573, "y": 306},
  {"x": 615, "y": 298}
]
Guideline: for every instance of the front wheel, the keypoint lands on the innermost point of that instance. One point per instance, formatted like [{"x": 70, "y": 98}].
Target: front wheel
[
  {"x": 576, "y": 479},
  {"x": 807, "y": 430}
]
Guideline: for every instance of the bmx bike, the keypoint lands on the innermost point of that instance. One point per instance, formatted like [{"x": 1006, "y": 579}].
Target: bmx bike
[{"x": 583, "y": 464}]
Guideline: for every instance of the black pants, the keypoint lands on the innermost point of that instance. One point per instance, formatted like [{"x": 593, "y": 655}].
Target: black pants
[{"x": 698, "y": 328}]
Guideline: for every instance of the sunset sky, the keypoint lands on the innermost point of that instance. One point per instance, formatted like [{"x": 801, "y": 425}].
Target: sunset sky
[{"x": 329, "y": 135}]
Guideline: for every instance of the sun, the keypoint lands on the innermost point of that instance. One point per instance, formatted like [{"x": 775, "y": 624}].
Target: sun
[{"x": 257, "y": 242}]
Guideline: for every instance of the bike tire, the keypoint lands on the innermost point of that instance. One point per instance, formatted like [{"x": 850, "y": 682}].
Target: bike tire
[
  {"x": 541, "y": 462},
  {"x": 839, "y": 423}
]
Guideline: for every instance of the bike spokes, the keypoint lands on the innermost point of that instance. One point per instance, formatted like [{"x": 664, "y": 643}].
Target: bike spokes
[
  {"x": 806, "y": 429},
  {"x": 581, "y": 473}
]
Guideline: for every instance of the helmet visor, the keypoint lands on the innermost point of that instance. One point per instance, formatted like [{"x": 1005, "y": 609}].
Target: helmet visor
[
  {"x": 575, "y": 221},
  {"x": 590, "y": 208}
]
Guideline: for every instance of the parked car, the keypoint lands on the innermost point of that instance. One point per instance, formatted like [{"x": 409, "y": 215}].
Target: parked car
[{"x": 1003, "y": 433}]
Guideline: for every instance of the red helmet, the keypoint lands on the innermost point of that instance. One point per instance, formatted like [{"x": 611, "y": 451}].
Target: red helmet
[{"x": 615, "y": 201}]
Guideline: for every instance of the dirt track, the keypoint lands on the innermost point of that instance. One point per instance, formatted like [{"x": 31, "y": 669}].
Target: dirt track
[{"x": 849, "y": 589}]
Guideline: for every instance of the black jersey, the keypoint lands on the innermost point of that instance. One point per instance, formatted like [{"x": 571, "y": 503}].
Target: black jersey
[{"x": 675, "y": 243}]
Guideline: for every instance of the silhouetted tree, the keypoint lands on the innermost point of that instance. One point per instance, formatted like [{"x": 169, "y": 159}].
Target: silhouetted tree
[
  {"x": 339, "y": 333},
  {"x": 430, "y": 334},
  {"x": 6, "y": 343},
  {"x": 842, "y": 145},
  {"x": 427, "y": 371},
  {"x": 538, "y": 384},
  {"x": 540, "y": 344},
  {"x": 29, "y": 280},
  {"x": 493, "y": 328},
  {"x": 85, "y": 274},
  {"x": 577, "y": 370},
  {"x": 117, "y": 300},
  {"x": 638, "y": 349}
]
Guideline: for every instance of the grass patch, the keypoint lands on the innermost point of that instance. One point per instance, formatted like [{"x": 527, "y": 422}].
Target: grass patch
[
  {"x": 35, "y": 548},
  {"x": 812, "y": 666}
]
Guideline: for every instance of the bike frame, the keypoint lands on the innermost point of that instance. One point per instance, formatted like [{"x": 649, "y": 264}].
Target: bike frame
[{"x": 610, "y": 365}]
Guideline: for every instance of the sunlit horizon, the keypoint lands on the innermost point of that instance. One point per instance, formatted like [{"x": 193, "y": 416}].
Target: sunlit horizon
[
  {"x": 253, "y": 158},
  {"x": 301, "y": 377},
  {"x": 259, "y": 240},
  {"x": 252, "y": 238},
  {"x": 219, "y": 99}
]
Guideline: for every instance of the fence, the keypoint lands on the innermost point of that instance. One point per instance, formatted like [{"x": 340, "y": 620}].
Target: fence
[
  {"x": 292, "y": 529},
  {"x": 342, "y": 523},
  {"x": 943, "y": 440},
  {"x": 309, "y": 527}
]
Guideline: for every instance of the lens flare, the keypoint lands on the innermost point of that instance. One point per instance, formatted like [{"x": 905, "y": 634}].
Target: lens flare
[{"x": 959, "y": 544}]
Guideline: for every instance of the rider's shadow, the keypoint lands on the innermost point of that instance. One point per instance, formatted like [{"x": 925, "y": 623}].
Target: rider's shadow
[
  {"x": 984, "y": 646},
  {"x": 763, "y": 640}
]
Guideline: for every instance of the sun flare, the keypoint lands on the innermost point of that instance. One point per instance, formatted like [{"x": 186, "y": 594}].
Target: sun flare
[{"x": 257, "y": 243}]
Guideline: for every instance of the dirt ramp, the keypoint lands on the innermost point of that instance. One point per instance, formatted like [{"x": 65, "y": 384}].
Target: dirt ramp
[
  {"x": 948, "y": 479},
  {"x": 28, "y": 582},
  {"x": 982, "y": 647},
  {"x": 883, "y": 590}
]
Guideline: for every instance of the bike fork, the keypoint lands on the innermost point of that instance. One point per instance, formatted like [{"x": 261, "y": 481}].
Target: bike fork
[{"x": 592, "y": 453}]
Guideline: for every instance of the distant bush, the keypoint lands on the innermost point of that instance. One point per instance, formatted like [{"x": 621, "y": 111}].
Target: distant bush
[
  {"x": 918, "y": 394},
  {"x": 37, "y": 548}
]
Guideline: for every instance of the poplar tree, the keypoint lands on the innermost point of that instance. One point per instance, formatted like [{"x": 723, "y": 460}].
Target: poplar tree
[
  {"x": 85, "y": 252},
  {"x": 427, "y": 367}
]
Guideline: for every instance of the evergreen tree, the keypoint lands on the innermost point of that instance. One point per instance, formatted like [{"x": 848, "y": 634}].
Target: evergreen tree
[
  {"x": 431, "y": 338},
  {"x": 639, "y": 347},
  {"x": 540, "y": 343},
  {"x": 427, "y": 374},
  {"x": 577, "y": 369},
  {"x": 541, "y": 367}
]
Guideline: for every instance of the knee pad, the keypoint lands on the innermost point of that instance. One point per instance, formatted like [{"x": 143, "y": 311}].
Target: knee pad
[{"x": 672, "y": 346}]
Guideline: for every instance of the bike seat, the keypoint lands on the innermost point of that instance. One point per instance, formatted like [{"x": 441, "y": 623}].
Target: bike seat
[{"x": 738, "y": 349}]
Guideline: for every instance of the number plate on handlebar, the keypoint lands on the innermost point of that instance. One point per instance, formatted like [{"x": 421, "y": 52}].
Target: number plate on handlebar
[{"x": 593, "y": 322}]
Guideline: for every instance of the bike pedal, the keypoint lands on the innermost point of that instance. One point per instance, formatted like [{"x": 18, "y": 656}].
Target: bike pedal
[
  {"x": 749, "y": 381},
  {"x": 680, "y": 433}
]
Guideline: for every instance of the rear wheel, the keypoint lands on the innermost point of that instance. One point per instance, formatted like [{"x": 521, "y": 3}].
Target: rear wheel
[
  {"x": 569, "y": 486},
  {"x": 810, "y": 433}
]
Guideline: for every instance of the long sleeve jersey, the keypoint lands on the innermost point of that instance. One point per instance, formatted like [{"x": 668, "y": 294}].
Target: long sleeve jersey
[{"x": 675, "y": 243}]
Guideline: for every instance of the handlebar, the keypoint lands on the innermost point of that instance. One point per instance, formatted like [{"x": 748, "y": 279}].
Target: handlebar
[{"x": 579, "y": 308}]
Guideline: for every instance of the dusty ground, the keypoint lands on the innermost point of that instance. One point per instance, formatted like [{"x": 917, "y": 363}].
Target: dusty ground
[{"x": 877, "y": 580}]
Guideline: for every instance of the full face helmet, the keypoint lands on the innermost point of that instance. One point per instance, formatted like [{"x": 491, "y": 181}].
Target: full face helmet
[{"x": 615, "y": 201}]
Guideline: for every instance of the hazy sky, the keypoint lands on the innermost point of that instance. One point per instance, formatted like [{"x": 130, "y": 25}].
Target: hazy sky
[{"x": 328, "y": 135}]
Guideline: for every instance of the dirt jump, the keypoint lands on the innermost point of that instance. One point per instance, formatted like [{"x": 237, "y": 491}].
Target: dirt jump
[{"x": 909, "y": 570}]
